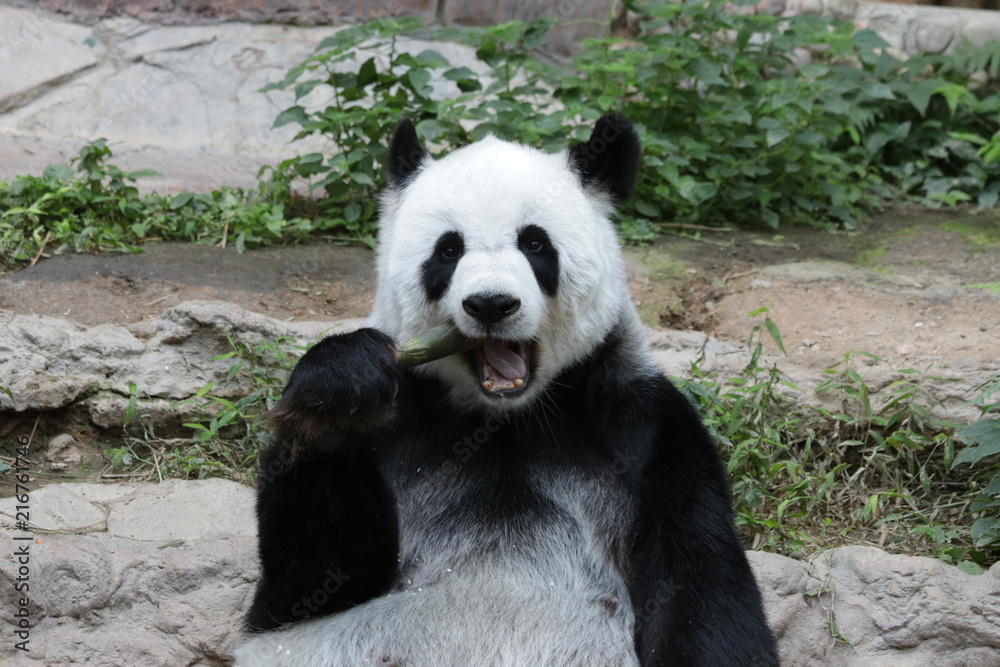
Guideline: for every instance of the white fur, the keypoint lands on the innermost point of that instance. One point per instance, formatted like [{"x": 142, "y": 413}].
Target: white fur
[
  {"x": 488, "y": 191},
  {"x": 469, "y": 602}
]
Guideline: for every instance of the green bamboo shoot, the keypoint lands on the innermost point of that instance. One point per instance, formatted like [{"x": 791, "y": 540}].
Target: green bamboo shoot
[{"x": 437, "y": 343}]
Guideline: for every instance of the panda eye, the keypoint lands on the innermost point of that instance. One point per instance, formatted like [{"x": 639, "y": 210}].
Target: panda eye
[
  {"x": 534, "y": 245},
  {"x": 449, "y": 251}
]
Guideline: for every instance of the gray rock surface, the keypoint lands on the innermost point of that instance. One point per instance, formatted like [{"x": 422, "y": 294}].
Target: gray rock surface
[
  {"x": 55, "y": 363},
  {"x": 859, "y": 606},
  {"x": 135, "y": 597}
]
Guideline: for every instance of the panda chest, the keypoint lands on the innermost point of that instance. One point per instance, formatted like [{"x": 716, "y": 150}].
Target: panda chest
[{"x": 543, "y": 527}]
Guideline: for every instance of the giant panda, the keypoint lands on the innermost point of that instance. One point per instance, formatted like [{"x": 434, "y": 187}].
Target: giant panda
[{"x": 546, "y": 499}]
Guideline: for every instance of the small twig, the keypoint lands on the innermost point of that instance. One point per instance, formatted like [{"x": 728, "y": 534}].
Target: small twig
[
  {"x": 719, "y": 244},
  {"x": 41, "y": 248},
  {"x": 31, "y": 438},
  {"x": 225, "y": 231},
  {"x": 156, "y": 465},
  {"x": 175, "y": 543},
  {"x": 684, "y": 225},
  {"x": 156, "y": 301},
  {"x": 120, "y": 475},
  {"x": 740, "y": 275}
]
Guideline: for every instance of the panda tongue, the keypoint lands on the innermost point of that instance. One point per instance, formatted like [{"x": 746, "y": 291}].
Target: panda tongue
[{"x": 504, "y": 360}]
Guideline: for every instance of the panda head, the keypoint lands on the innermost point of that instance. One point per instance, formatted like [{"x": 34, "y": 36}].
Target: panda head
[{"x": 513, "y": 246}]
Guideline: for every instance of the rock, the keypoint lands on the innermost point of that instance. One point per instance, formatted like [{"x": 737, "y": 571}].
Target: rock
[
  {"x": 63, "y": 448},
  {"x": 56, "y": 51},
  {"x": 985, "y": 28},
  {"x": 894, "y": 610},
  {"x": 54, "y": 363},
  {"x": 773, "y": 7},
  {"x": 918, "y": 610},
  {"x": 179, "y": 510},
  {"x": 54, "y": 507},
  {"x": 933, "y": 37}
]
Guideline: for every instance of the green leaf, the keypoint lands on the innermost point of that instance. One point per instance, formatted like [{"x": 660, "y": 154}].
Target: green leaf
[
  {"x": 419, "y": 79},
  {"x": 306, "y": 87},
  {"x": 367, "y": 73},
  {"x": 952, "y": 93},
  {"x": 352, "y": 212},
  {"x": 772, "y": 329},
  {"x": 985, "y": 531},
  {"x": 983, "y": 437},
  {"x": 58, "y": 173},
  {"x": 432, "y": 59},
  {"x": 181, "y": 200},
  {"x": 775, "y": 137},
  {"x": 294, "y": 114}
]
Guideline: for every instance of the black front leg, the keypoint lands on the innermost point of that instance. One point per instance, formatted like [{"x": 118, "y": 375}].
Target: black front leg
[
  {"x": 327, "y": 525},
  {"x": 695, "y": 596}
]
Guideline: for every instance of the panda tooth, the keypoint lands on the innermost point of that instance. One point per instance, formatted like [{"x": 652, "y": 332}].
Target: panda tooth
[
  {"x": 519, "y": 382},
  {"x": 488, "y": 385}
]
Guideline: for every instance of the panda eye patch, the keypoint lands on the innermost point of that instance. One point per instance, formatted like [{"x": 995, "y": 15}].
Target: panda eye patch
[
  {"x": 437, "y": 270},
  {"x": 450, "y": 246},
  {"x": 536, "y": 245}
]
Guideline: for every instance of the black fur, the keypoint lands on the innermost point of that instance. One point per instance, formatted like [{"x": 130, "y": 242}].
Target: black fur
[
  {"x": 405, "y": 153},
  {"x": 543, "y": 256},
  {"x": 694, "y": 595},
  {"x": 437, "y": 270},
  {"x": 609, "y": 160}
]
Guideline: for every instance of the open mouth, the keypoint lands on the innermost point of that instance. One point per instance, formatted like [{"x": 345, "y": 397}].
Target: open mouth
[{"x": 504, "y": 366}]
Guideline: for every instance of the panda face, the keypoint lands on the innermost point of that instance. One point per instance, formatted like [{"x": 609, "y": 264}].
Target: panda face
[{"x": 513, "y": 247}]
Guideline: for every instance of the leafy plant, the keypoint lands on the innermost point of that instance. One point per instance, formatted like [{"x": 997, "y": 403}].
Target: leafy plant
[
  {"x": 98, "y": 207},
  {"x": 733, "y": 131},
  {"x": 982, "y": 439},
  {"x": 807, "y": 476}
]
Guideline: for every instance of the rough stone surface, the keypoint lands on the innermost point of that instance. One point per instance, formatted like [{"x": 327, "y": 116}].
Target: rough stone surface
[
  {"x": 27, "y": 37},
  {"x": 54, "y": 362},
  {"x": 55, "y": 507},
  {"x": 123, "y": 601},
  {"x": 889, "y": 610},
  {"x": 173, "y": 95},
  {"x": 177, "y": 510}
]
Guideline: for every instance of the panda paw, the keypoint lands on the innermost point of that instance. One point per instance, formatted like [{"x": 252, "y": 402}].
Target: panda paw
[{"x": 347, "y": 381}]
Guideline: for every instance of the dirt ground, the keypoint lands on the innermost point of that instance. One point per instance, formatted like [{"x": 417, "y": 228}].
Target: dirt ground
[{"x": 897, "y": 288}]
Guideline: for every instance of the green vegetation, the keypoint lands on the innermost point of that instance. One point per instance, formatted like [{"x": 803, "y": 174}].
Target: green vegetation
[
  {"x": 98, "y": 207},
  {"x": 734, "y": 132}
]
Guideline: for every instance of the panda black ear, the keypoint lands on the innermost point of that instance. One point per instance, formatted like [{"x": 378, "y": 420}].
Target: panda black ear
[
  {"x": 609, "y": 160},
  {"x": 405, "y": 153}
]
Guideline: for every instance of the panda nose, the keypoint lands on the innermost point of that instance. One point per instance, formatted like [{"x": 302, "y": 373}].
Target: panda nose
[{"x": 491, "y": 308}]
